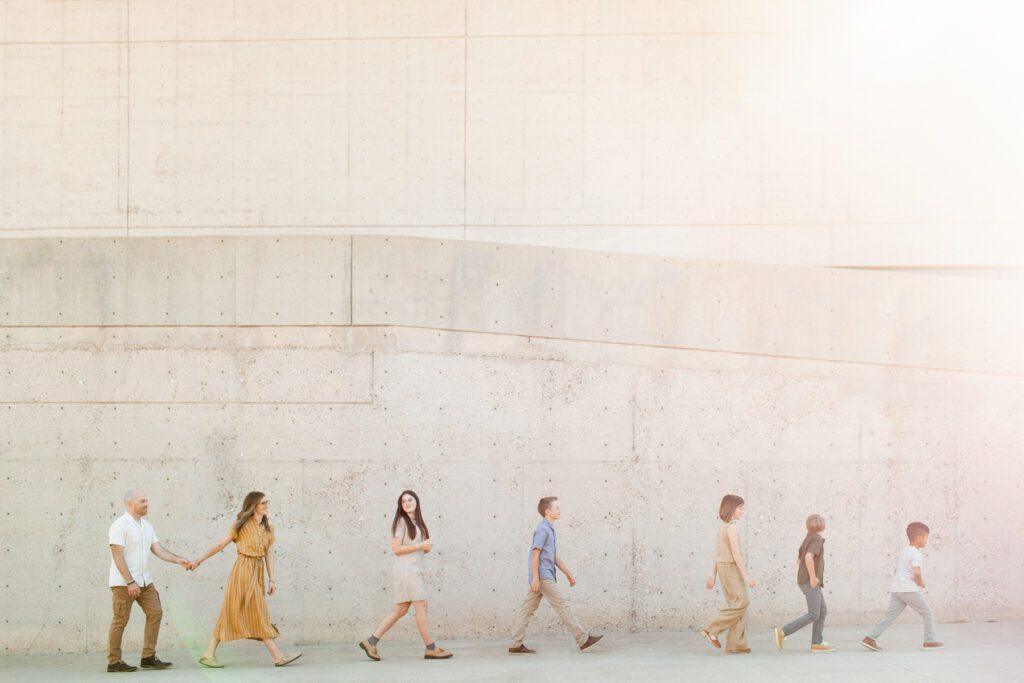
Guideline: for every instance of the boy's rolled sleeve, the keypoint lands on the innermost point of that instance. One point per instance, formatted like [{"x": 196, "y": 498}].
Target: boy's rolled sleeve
[{"x": 540, "y": 539}]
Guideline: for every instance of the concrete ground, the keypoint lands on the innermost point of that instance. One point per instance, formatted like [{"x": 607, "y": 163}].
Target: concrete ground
[{"x": 974, "y": 652}]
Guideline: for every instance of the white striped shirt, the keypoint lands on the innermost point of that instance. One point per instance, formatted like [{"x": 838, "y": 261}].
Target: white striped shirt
[{"x": 903, "y": 581}]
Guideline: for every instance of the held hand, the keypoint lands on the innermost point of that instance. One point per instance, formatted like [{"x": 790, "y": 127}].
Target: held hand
[
  {"x": 710, "y": 583},
  {"x": 535, "y": 585},
  {"x": 194, "y": 565},
  {"x": 815, "y": 582},
  {"x": 271, "y": 588},
  {"x": 134, "y": 591},
  {"x": 185, "y": 564},
  {"x": 427, "y": 545}
]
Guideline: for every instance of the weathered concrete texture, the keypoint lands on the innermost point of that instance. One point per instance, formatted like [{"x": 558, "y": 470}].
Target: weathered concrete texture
[
  {"x": 193, "y": 281},
  {"x": 529, "y": 120},
  {"x": 639, "y": 442},
  {"x": 886, "y": 318},
  {"x": 831, "y": 314}
]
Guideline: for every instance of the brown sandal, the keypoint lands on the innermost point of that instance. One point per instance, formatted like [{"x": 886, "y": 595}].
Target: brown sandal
[
  {"x": 287, "y": 659},
  {"x": 711, "y": 639}
]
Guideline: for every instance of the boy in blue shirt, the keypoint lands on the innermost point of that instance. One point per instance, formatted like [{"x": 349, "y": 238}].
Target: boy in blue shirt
[{"x": 544, "y": 561}]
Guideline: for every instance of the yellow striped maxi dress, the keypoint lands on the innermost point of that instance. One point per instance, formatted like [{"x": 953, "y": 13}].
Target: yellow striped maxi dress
[{"x": 245, "y": 613}]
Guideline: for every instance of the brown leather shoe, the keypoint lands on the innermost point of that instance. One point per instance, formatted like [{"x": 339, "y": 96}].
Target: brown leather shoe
[
  {"x": 370, "y": 650},
  {"x": 154, "y": 663},
  {"x": 521, "y": 650},
  {"x": 741, "y": 651},
  {"x": 870, "y": 644},
  {"x": 590, "y": 641},
  {"x": 437, "y": 653},
  {"x": 932, "y": 645}
]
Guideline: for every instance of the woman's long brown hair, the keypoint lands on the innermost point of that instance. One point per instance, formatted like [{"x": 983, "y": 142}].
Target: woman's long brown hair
[
  {"x": 409, "y": 526},
  {"x": 252, "y": 499}
]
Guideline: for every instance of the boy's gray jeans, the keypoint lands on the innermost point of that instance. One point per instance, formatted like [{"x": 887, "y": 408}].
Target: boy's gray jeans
[
  {"x": 899, "y": 602},
  {"x": 816, "y": 612}
]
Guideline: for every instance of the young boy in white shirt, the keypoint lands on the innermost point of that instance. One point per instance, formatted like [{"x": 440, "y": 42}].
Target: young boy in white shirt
[{"x": 906, "y": 591}]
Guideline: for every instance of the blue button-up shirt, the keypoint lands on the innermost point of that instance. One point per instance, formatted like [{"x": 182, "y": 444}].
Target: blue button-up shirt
[{"x": 544, "y": 538}]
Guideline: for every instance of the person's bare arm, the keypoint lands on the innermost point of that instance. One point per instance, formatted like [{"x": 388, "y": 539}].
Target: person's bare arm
[
  {"x": 809, "y": 561},
  {"x": 398, "y": 549},
  {"x": 710, "y": 583},
  {"x": 117, "y": 552},
  {"x": 269, "y": 559},
  {"x": 535, "y": 564},
  {"x": 565, "y": 570},
  {"x": 167, "y": 556},
  {"x": 918, "y": 577},
  {"x": 216, "y": 548},
  {"x": 734, "y": 544}
]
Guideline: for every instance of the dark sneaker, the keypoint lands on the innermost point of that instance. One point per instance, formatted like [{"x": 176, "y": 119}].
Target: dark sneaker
[
  {"x": 870, "y": 644},
  {"x": 521, "y": 650},
  {"x": 120, "y": 667},
  {"x": 154, "y": 663},
  {"x": 590, "y": 641}
]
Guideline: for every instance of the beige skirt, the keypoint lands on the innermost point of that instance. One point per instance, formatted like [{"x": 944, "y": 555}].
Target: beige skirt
[{"x": 409, "y": 586}]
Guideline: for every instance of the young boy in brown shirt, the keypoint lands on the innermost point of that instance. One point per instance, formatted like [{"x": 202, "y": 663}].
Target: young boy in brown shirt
[{"x": 810, "y": 579}]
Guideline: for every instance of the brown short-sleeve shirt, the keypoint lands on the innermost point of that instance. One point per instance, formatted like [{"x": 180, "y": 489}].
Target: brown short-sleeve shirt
[{"x": 814, "y": 544}]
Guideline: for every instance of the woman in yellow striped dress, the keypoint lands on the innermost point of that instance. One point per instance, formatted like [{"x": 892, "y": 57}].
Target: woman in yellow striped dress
[{"x": 245, "y": 613}]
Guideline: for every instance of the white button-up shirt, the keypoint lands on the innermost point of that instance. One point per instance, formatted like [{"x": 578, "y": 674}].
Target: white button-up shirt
[{"x": 136, "y": 539}]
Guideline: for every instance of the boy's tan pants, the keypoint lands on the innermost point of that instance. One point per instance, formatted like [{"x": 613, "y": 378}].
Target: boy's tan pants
[
  {"x": 551, "y": 591},
  {"x": 149, "y": 601},
  {"x": 734, "y": 615}
]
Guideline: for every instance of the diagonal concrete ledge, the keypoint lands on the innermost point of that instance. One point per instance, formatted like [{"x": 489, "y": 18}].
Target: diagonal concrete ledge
[{"x": 789, "y": 311}]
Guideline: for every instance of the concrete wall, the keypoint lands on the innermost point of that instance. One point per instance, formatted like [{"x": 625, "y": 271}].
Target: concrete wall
[
  {"x": 823, "y": 132},
  {"x": 332, "y": 373}
]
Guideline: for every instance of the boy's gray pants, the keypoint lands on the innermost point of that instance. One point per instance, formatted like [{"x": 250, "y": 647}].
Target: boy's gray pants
[
  {"x": 816, "y": 612},
  {"x": 899, "y": 602}
]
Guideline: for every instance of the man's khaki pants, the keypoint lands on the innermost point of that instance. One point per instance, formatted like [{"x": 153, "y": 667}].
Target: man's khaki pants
[
  {"x": 149, "y": 601},
  {"x": 550, "y": 590}
]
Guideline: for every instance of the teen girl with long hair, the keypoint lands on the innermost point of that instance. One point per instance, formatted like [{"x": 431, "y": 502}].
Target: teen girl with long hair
[{"x": 410, "y": 541}]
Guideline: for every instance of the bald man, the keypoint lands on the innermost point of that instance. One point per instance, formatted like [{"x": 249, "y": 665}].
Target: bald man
[{"x": 132, "y": 539}]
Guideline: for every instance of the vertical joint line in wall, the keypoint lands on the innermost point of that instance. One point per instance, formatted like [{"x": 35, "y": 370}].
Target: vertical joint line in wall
[
  {"x": 465, "y": 116},
  {"x": 522, "y": 155},
  {"x": 128, "y": 120},
  {"x": 234, "y": 285},
  {"x": 583, "y": 123},
  {"x": 956, "y": 531},
  {"x": 373, "y": 378},
  {"x": 632, "y": 446},
  {"x": 351, "y": 279}
]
